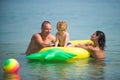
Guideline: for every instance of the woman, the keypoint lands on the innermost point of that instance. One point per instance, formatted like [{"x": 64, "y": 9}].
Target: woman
[{"x": 98, "y": 45}]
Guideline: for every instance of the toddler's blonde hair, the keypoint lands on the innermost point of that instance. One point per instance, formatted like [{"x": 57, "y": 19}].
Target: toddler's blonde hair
[{"x": 61, "y": 26}]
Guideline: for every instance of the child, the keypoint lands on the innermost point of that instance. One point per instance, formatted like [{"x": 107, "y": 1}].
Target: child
[{"x": 62, "y": 37}]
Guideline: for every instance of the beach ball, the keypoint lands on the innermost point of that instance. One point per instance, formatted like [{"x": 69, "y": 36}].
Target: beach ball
[{"x": 11, "y": 66}]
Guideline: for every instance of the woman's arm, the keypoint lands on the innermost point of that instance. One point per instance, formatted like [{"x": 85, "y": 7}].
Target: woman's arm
[{"x": 86, "y": 46}]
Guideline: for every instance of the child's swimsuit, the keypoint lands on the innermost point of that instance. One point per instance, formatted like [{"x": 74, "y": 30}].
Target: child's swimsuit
[{"x": 69, "y": 43}]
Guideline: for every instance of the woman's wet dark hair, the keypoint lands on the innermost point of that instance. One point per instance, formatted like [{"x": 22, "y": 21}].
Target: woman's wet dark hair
[{"x": 101, "y": 39}]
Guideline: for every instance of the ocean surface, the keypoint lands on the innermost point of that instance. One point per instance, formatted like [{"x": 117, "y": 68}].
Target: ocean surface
[{"x": 20, "y": 19}]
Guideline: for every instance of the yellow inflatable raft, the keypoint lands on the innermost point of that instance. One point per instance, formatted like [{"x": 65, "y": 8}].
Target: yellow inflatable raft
[{"x": 61, "y": 53}]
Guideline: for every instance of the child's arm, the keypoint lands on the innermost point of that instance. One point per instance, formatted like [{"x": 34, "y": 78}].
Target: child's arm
[
  {"x": 66, "y": 39},
  {"x": 56, "y": 41}
]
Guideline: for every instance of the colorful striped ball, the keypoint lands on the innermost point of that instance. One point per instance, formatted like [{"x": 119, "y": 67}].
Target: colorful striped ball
[{"x": 11, "y": 66}]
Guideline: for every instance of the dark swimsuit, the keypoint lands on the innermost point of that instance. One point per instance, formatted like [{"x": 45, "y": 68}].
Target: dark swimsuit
[{"x": 69, "y": 43}]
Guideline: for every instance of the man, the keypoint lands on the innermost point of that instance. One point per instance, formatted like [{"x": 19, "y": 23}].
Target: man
[
  {"x": 97, "y": 51},
  {"x": 41, "y": 40}
]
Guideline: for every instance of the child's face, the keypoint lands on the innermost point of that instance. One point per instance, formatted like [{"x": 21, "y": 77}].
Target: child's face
[{"x": 60, "y": 28}]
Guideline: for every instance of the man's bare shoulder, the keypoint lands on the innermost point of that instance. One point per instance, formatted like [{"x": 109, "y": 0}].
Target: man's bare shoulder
[{"x": 36, "y": 35}]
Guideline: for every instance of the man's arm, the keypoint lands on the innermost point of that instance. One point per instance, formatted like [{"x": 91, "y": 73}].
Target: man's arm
[{"x": 41, "y": 43}]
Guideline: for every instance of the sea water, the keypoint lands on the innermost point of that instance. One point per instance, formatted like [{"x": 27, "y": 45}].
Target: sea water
[{"x": 20, "y": 19}]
